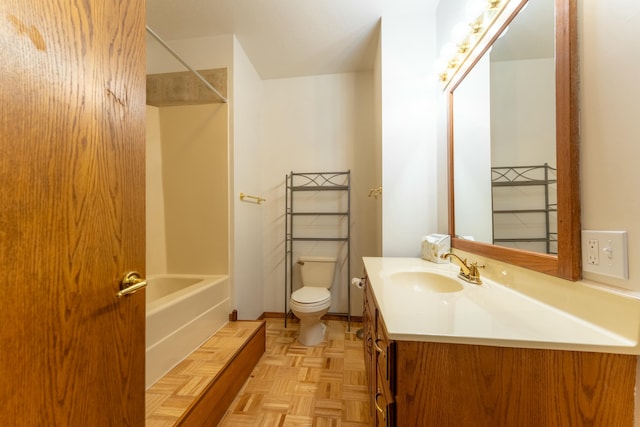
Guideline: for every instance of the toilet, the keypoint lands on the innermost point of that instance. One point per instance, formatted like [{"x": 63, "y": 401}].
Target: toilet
[{"x": 312, "y": 300}]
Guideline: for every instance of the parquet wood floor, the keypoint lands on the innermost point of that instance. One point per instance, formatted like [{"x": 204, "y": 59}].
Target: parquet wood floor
[
  {"x": 170, "y": 397},
  {"x": 294, "y": 385}
]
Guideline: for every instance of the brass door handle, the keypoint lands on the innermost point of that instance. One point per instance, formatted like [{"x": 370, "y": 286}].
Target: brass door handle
[{"x": 131, "y": 283}]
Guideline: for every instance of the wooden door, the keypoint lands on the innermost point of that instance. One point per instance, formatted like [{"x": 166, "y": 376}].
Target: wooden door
[{"x": 72, "y": 82}]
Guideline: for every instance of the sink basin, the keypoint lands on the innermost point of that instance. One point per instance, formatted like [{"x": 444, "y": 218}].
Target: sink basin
[{"x": 424, "y": 281}]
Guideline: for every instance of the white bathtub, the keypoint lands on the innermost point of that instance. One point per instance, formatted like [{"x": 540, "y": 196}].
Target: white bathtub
[{"x": 183, "y": 311}]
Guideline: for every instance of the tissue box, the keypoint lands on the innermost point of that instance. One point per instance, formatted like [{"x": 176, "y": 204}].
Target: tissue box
[{"x": 434, "y": 245}]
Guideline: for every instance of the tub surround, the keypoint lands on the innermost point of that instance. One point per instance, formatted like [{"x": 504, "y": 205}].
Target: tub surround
[
  {"x": 187, "y": 222},
  {"x": 515, "y": 314},
  {"x": 183, "y": 311}
]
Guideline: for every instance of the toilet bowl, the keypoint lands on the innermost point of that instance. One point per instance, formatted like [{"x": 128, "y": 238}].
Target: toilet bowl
[{"x": 313, "y": 299}]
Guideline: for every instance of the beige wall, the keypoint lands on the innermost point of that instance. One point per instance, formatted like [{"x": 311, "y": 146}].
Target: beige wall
[
  {"x": 156, "y": 238},
  {"x": 193, "y": 189},
  {"x": 318, "y": 124}
]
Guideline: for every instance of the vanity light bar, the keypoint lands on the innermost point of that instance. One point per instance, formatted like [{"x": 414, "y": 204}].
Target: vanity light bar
[{"x": 467, "y": 36}]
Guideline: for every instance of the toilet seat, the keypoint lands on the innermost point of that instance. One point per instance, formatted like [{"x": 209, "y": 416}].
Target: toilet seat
[
  {"x": 310, "y": 295},
  {"x": 309, "y": 299}
]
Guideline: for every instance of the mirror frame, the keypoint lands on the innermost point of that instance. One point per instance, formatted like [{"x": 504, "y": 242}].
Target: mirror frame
[{"x": 568, "y": 263}]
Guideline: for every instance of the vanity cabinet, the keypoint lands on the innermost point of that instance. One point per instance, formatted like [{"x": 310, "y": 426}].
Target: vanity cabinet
[
  {"x": 379, "y": 357},
  {"x": 420, "y": 383}
]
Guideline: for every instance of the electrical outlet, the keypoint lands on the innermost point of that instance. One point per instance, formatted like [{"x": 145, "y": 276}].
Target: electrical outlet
[
  {"x": 593, "y": 257},
  {"x": 605, "y": 252}
]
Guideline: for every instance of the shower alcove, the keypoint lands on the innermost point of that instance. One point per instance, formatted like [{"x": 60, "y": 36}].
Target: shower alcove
[
  {"x": 187, "y": 178},
  {"x": 187, "y": 202}
]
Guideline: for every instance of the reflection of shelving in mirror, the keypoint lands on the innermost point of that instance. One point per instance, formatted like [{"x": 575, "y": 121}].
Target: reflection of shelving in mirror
[{"x": 524, "y": 200}]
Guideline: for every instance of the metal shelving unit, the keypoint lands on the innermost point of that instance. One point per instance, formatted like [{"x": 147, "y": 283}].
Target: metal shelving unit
[
  {"x": 314, "y": 184},
  {"x": 543, "y": 176}
]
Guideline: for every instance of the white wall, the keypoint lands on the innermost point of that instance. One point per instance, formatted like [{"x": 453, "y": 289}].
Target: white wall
[
  {"x": 523, "y": 109},
  {"x": 610, "y": 134},
  {"x": 316, "y": 124},
  {"x": 377, "y": 129},
  {"x": 409, "y": 149},
  {"x": 247, "y": 237}
]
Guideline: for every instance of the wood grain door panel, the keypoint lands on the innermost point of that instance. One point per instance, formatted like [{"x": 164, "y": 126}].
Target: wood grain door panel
[{"x": 71, "y": 211}]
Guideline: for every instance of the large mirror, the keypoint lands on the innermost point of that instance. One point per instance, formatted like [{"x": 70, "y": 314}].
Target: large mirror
[{"x": 513, "y": 135}]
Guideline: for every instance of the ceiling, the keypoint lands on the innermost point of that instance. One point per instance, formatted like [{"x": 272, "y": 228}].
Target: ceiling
[
  {"x": 282, "y": 38},
  {"x": 289, "y": 38}
]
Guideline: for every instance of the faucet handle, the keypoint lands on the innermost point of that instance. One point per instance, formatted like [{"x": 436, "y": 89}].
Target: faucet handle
[
  {"x": 474, "y": 274},
  {"x": 468, "y": 272}
]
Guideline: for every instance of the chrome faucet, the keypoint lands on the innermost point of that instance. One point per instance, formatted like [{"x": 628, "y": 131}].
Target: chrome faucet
[{"x": 468, "y": 272}]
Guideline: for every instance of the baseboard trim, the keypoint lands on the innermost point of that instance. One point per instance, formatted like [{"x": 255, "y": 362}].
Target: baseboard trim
[{"x": 280, "y": 315}]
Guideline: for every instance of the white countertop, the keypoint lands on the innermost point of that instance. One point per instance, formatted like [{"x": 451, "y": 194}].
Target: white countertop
[{"x": 487, "y": 314}]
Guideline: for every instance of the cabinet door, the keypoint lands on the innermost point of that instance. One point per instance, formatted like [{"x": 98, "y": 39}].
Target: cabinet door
[
  {"x": 385, "y": 354},
  {"x": 368, "y": 322}
]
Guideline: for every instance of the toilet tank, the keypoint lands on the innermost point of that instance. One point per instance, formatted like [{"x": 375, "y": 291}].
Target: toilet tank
[{"x": 317, "y": 271}]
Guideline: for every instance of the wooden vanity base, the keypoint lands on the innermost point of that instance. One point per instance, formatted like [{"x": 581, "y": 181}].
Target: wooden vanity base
[{"x": 471, "y": 385}]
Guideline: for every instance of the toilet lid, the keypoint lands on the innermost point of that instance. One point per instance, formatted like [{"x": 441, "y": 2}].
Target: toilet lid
[{"x": 310, "y": 294}]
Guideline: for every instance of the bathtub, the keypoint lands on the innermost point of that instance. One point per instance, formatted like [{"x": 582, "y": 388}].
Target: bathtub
[{"x": 183, "y": 311}]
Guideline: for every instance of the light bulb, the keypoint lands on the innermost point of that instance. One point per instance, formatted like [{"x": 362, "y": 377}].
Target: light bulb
[
  {"x": 474, "y": 9},
  {"x": 448, "y": 50},
  {"x": 459, "y": 32}
]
